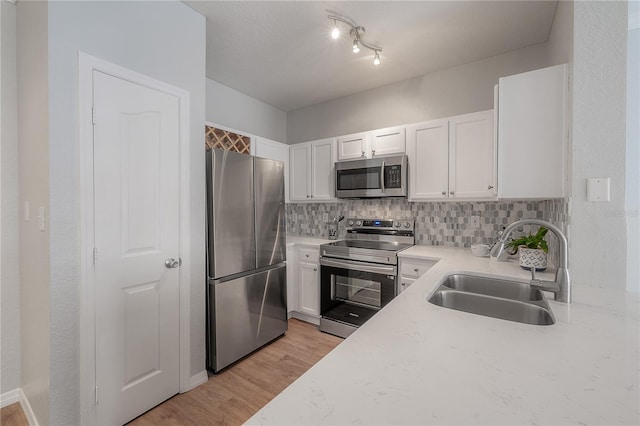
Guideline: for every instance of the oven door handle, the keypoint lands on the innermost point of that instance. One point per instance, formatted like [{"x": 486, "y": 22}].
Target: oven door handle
[{"x": 359, "y": 266}]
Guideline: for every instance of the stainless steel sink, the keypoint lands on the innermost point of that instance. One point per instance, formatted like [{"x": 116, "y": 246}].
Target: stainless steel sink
[{"x": 493, "y": 297}]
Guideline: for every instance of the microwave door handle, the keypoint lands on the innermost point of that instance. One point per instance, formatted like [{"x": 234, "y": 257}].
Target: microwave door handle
[{"x": 382, "y": 176}]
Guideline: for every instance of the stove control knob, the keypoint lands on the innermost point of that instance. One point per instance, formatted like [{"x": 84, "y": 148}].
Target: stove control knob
[
  {"x": 358, "y": 223},
  {"x": 407, "y": 225},
  {"x": 397, "y": 224},
  {"x": 350, "y": 223}
]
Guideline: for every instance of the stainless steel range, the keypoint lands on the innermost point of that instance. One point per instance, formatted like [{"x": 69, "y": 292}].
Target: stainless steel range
[{"x": 359, "y": 275}]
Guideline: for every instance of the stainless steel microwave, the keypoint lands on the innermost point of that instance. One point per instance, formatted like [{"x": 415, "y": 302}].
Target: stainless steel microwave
[{"x": 372, "y": 178}]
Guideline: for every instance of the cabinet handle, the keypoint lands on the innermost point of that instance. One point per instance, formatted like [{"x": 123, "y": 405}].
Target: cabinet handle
[
  {"x": 444, "y": 192},
  {"x": 373, "y": 152},
  {"x": 490, "y": 187},
  {"x": 307, "y": 196},
  {"x": 362, "y": 154},
  {"x": 451, "y": 192},
  {"x": 315, "y": 269},
  {"x": 307, "y": 255},
  {"x": 403, "y": 284},
  {"x": 415, "y": 269}
]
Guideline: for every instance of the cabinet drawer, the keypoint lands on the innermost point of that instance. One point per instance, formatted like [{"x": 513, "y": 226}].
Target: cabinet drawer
[
  {"x": 308, "y": 255},
  {"x": 415, "y": 268},
  {"x": 404, "y": 284}
]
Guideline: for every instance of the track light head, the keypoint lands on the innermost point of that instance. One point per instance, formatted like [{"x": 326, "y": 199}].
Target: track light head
[
  {"x": 335, "y": 33},
  {"x": 356, "y": 46},
  {"x": 376, "y": 59}
]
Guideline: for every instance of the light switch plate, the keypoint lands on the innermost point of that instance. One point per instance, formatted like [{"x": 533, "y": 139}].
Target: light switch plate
[{"x": 598, "y": 189}]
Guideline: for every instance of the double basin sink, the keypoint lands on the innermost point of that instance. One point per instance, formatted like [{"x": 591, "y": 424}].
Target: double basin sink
[{"x": 493, "y": 297}]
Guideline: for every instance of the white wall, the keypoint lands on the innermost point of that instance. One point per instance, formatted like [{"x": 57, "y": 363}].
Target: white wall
[
  {"x": 33, "y": 140},
  {"x": 459, "y": 90},
  {"x": 560, "y": 42},
  {"x": 633, "y": 159},
  {"x": 164, "y": 40},
  {"x": 9, "y": 267},
  {"x": 598, "y": 230},
  {"x": 229, "y": 108}
]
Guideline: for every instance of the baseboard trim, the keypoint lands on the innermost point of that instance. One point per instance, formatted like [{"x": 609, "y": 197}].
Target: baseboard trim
[
  {"x": 10, "y": 397},
  {"x": 18, "y": 395},
  {"x": 26, "y": 407},
  {"x": 304, "y": 317},
  {"x": 196, "y": 380}
]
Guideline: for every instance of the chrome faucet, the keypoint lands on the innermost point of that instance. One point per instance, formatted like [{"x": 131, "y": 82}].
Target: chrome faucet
[{"x": 561, "y": 287}]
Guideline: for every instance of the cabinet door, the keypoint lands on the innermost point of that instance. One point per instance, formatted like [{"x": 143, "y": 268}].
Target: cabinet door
[
  {"x": 309, "y": 288},
  {"x": 354, "y": 146},
  {"x": 389, "y": 141},
  {"x": 273, "y": 150},
  {"x": 532, "y": 133},
  {"x": 471, "y": 156},
  {"x": 404, "y": 283},
  {"x": 322, "y": 170},
  {"x": 300, "y": 172},
  {"x": 428, "y": 154}
]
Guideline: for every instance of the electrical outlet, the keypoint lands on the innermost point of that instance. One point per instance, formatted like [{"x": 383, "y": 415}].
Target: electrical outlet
[{"x": 475, "y": 221}]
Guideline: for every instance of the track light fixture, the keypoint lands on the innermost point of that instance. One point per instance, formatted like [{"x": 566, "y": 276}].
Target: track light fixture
[
  {"x": 356, "y": 32},
  {"x": 335, "y": 33}
]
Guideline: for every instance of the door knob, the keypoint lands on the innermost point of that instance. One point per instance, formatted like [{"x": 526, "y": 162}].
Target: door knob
[{"x": 172, "y": 263}]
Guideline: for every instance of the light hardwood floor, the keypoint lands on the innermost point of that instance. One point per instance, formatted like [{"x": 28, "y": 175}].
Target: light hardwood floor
[
  {"x": 12, "y": 415},
  {"x": 236, "y": 394}
]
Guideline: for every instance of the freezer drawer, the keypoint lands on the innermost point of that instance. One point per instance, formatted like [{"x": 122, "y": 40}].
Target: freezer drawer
[{"x": 244, "y": 314}]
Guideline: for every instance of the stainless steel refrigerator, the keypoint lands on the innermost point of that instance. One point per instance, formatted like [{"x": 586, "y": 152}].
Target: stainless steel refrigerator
[{"x": 247, "y": 285}]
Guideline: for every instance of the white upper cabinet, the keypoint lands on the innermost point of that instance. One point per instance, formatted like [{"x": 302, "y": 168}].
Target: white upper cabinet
[
  {"x": 273, "y": 150},
  {"x": 377, "y": 143},
  {"x": 452, "y": 158},
  {"x": 472, "y": 156},
  {"x": 390, "y": 141},
  {"x": 322, "y": 166},
  {"x": 532, "y": 134},
  {"x": 312, "y": 170},
  {"x": 300, "y": 172},
  {"x": 355, "y": 146},
  {"x": 428, "y": 155}
]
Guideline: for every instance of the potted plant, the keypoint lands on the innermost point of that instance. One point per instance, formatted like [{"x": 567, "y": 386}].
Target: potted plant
[{"x": 533, "y": 250}]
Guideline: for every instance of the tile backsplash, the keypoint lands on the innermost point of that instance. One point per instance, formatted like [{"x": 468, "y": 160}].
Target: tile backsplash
[{"x": 437, "y": 223}]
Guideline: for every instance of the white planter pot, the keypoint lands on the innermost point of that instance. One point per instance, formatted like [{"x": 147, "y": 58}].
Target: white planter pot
[{"x": 533, "y": 258}]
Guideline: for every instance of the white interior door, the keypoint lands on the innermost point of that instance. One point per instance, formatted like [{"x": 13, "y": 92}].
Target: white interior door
[{"x": 136, "y": 178}]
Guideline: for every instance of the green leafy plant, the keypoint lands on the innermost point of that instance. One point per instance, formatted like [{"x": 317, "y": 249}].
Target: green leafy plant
[{"x": 531, "y": 241}]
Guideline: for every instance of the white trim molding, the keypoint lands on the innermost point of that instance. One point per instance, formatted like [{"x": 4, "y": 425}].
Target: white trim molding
[
  {"x": 196, "y": 380},
  {"x": 634, "y": 21},
  {"x": 9, "y": 397},
  {"x": 87, "y": 64},
  {"x": 18, "y": 395}
]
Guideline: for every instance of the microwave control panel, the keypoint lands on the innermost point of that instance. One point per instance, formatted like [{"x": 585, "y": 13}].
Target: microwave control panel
[{"x": 393, "y": 176}]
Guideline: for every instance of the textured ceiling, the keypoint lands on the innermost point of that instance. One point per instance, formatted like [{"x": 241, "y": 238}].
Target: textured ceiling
[{"x": 282, "y": 53}]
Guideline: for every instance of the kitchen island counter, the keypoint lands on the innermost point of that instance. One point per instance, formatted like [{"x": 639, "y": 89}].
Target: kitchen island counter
[{"x": 418, "y": 363}]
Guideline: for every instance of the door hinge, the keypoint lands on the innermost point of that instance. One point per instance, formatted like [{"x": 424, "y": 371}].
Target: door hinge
[
  {"x": 93, "y": 115},
  {"x": 97, "y": 400},
  {"x": 95, "y": 256}
]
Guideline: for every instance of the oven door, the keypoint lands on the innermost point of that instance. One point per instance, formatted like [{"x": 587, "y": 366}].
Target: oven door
[{"x": 352, "y": 291}]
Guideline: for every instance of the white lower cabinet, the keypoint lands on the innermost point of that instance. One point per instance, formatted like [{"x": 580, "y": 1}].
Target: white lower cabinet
[
  {"x": 303, "y": 287},
  {"x": 411, "y": 269}
]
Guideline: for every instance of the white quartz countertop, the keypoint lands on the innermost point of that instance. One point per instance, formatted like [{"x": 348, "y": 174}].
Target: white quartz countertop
[{"x": 421, "y": 364}]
